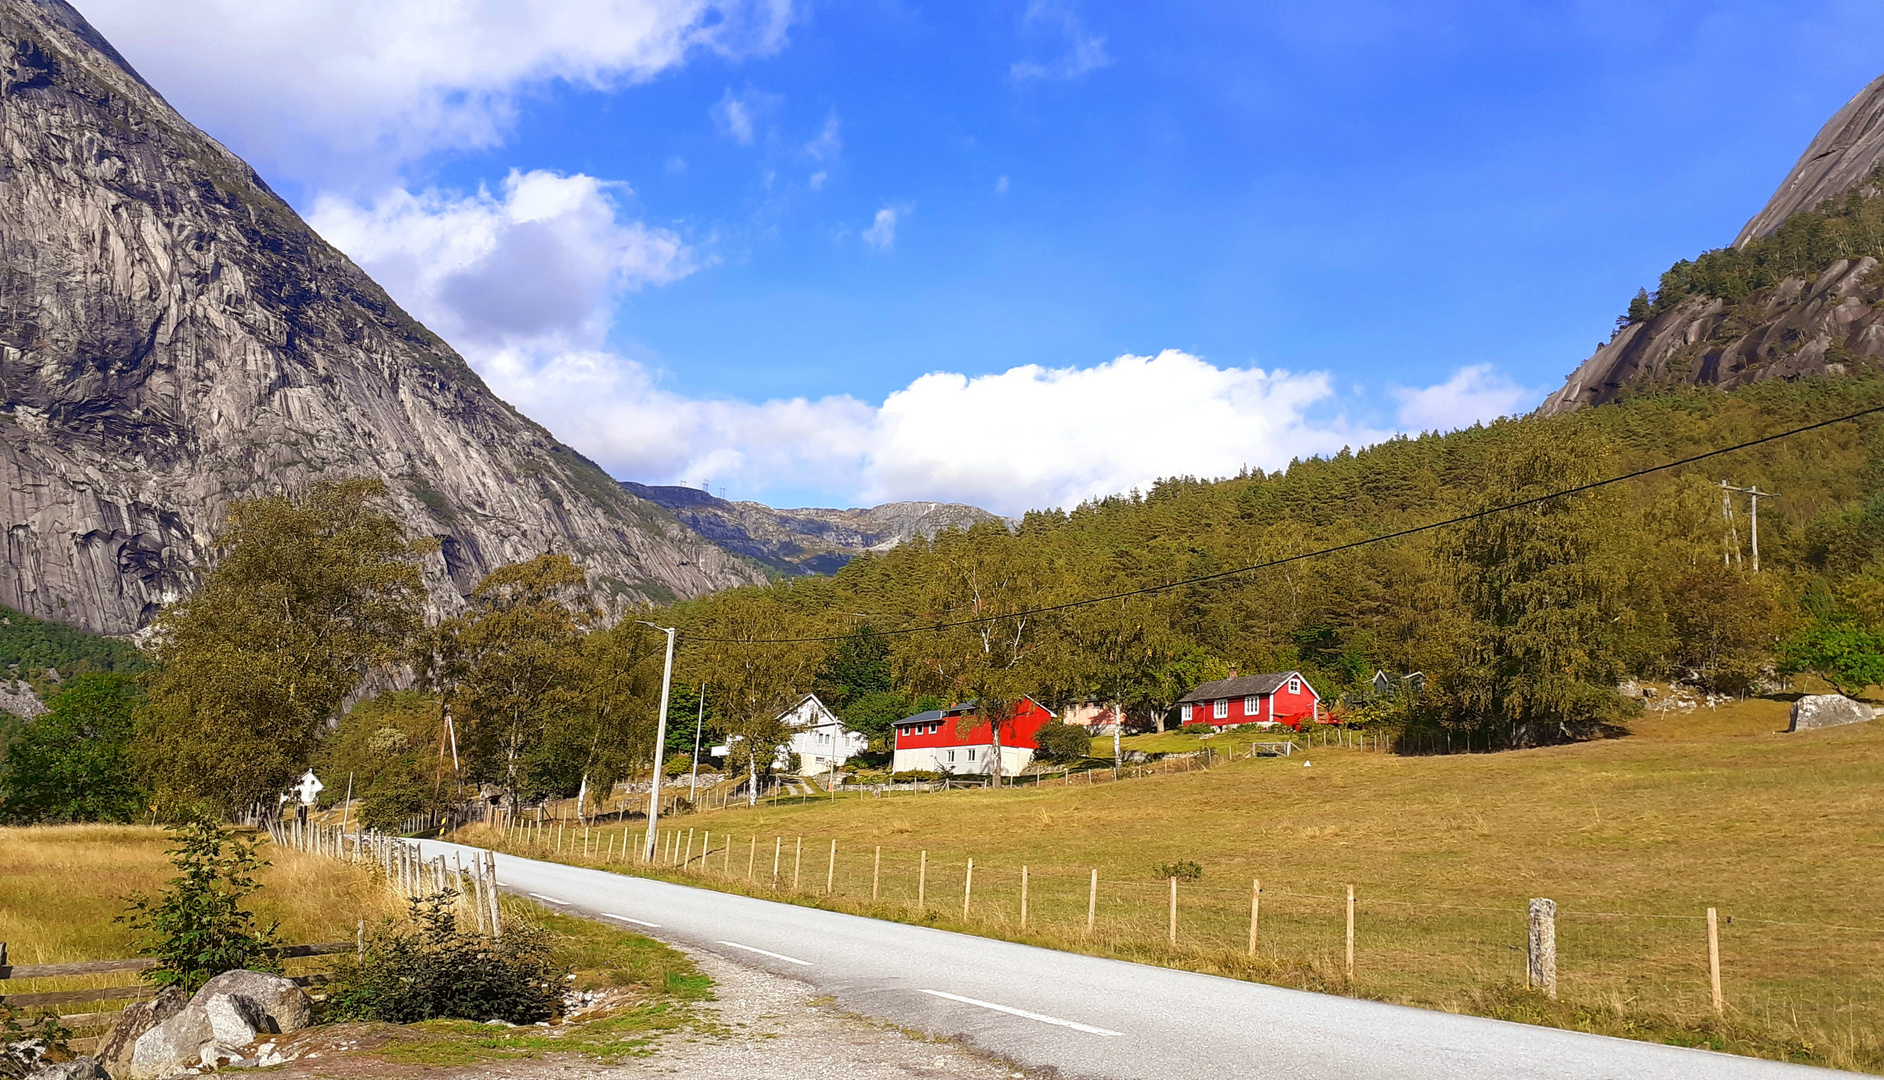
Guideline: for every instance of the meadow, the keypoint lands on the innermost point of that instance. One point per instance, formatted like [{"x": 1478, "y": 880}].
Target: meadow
[{"x": 1634, "y": 838}]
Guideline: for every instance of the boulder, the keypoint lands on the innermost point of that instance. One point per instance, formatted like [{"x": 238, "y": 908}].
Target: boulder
[
  {"x": 115, "y": 1050},
  {"x": 284, "y": 1007},
  {"x": 84, "y": 1068},
  {"x": 211, "y": 1029},
  {"x": 1816, "y": 711}
]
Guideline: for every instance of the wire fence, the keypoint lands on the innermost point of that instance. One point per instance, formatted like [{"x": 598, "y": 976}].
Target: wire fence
[{"x": 1806, "y": 980}]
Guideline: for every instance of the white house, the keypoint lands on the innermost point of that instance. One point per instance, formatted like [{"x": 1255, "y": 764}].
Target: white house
[{"x": 820, "y": 740}]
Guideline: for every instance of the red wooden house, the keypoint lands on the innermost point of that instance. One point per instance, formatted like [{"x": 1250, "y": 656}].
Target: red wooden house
[
  {"x": 1278, "y": 697},
  {"x": 934, "y": 742}
]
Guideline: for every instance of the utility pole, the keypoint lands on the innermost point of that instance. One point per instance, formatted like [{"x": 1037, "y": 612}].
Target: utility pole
[
  {"x": 693, "y": 782},
  {"x": 1754, "y": 495},
  {"x": 660, "y": 746}
]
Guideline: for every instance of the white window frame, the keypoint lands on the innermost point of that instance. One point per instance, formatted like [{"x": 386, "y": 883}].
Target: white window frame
[
  {"x": 1220, "y": 709},
  {"x": 1252, "y": 704},
  {"x": 951, "y": 757},
  {"x": 1184, "y": 712},
  {"x": 971, "y": 753},
  {"x": 1295, "y": 685}
]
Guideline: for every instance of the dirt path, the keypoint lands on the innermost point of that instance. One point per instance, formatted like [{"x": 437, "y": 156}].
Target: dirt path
[{"x": 761, "y": 1025}]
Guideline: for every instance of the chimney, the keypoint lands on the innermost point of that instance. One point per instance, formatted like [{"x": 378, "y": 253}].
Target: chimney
[{"x": 1232, "y": 673}]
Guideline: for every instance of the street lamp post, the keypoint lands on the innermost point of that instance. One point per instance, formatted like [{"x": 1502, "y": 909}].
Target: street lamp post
[{"x": 660, "y": 745}]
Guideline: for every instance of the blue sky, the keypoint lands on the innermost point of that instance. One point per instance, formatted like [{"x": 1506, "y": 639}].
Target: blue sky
[{"x": 1014, "y": 252}]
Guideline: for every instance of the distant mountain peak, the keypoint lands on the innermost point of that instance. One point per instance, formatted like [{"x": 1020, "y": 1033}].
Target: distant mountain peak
[{"x": 807, "y": 540}]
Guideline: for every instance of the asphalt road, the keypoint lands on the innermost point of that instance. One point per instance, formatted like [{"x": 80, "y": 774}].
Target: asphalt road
[{"x": 1089, "y": 1017}]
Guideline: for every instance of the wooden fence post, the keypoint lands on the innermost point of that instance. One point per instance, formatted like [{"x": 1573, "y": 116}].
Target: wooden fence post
[
  {"x": 876, "y": 874},
  {"x": 686, "y": 858},
  {"x": 830, "y": 869},
  {"x": 968, "y": 888},
  {"x": 778, "y": 853},
  {"x": 922, "y": 881},
  {"x": 1092, "y": 902},
  {"x": 1255, "y": 911},
  {"x": 752, "y": 857},
  {"x": 798, "y": 861},
  {"x": 1023, "y": 924},
  {"x": 1713, "y": 959},
  {"x": 1540, "y": 971},
  {"x": 1350, "y": 933},
  {"x": 1173, "y": 909}
]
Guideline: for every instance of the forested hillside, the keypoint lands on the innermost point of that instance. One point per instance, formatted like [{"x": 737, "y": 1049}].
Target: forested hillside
[{"x": 1524, "y": 621}]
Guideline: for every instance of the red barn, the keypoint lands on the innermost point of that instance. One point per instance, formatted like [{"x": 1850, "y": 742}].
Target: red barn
[
  {"x": 1279, "y": 697},
  {"x": 933, "y": 741}
]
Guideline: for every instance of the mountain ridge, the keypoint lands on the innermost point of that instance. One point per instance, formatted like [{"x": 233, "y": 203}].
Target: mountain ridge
[
  {"x": 806, "y": 540},
  {"x": 174, "y": 337},
  {"x": 1793, "y": 297}
]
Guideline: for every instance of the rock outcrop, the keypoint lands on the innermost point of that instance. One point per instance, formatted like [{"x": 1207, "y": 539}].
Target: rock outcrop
[
  {"x": 1846, "y": 150},
  {"x": 1798, "y": 329},
  {"x": 174, "y": 337},
  {"x": 807, "y": 541},
  {"x": 1815, "y": 711}
]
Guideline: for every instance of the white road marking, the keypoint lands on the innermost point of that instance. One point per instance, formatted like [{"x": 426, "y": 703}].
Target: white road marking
[
  {"x": 624, "y": 918},
  {"x": 1087, "y": 1028},
  {"x": 551, "y": 899},
  {"x": 773, "y": 955}
]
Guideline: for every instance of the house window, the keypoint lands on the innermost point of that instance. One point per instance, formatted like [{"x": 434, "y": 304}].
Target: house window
[
  {"x": 1295, "y": 686},
  {"x": 1252, "y": 705},
  {"x": 951, "y": 755},
  {"x": 971, "y": 753},
  {"x": 1184, "y": 713},
  {"x": 1221, "y": 709}
]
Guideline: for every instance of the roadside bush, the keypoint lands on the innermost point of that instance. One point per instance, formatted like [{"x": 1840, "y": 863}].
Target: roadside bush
[
  {"x": 1064, "y": 742},
  {"x": 1199, "y": 727},
  {"x": 423, "y": 967},
  {"x": 911, "y": 776},
  {"x": 197, "y": 928},
  {"x": 1183, "y": 870}
]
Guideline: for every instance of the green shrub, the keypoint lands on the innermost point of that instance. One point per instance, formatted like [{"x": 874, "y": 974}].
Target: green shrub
[
  {"x": 1183, "y": 870},
  {"x": 423, "y": 967},
  {"x": 1064, "y": 742},
  {"x": 73, "y": 763},
  {"x": 198, "y": 928}
]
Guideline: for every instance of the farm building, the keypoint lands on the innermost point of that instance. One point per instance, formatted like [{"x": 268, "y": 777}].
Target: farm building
[
  {"x": 934, "y": 741},
  {"x": 819, "y": 738},
  {"x": 1278, "y": 697}
]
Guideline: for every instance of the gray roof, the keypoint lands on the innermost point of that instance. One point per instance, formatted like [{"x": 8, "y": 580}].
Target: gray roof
[{"x": 1242, "y": 686}]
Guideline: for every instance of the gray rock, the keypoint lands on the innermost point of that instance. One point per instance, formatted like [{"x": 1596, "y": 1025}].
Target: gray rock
[
  {"x": 173, "y": 337},
  {"x": 115, "y": 1050},
  {"x": 170, "y": 1047},
  {"x": 1845, "y": 151},
  {"x": 83, "y": 1068},
  {"x": 1816, "y": 711},
  {"x": 280, "y": 1006}
]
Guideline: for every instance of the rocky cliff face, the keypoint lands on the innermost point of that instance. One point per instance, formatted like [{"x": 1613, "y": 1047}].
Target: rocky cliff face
[
  {"x": 173, "y": 337},
  {"x": 807, "y": 541},
  {"x": 1845, "y": 152},
  {"x": 1827, "y": 321}
]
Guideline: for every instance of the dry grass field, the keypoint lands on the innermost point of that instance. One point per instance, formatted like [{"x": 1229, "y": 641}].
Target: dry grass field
[
  {"x": 1634, "y": 838},
  {"x": 62, "y": 887}
]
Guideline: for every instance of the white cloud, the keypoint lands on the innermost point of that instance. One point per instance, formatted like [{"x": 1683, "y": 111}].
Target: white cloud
[
  {"x": 323, "y": 90},
  {"x": 827, "y": 144},
  {"x": 1086, "y": 51},
  {"x": 733, "y": 118},
  {"x": 1034, "y": 436},
  {"x": 524, "y": 282},
  {"x": 539, "y": 262},
  {"x": 1000, "y": 186},
  {"x": 1473, "y": 394},
  {"x": 882, "y": 232}
]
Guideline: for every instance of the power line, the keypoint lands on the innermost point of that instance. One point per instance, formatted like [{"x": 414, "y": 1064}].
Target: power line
[{"x": 1415, "y": 530}]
